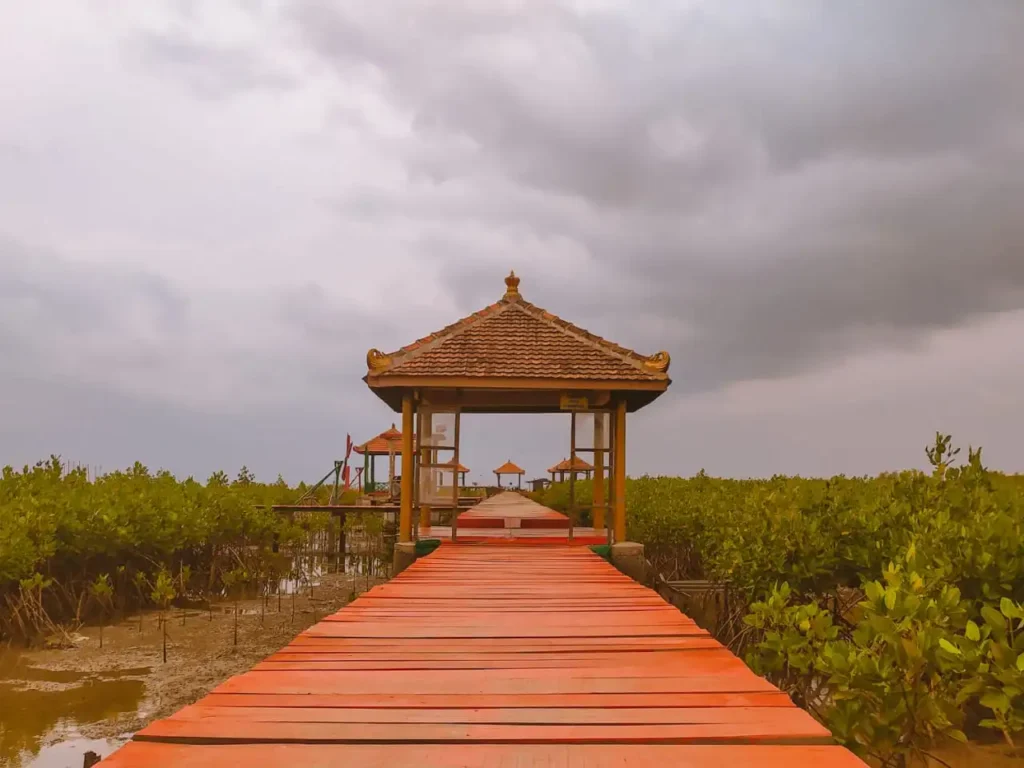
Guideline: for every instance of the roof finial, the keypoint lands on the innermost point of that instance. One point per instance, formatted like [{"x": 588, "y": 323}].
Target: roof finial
[{"x": 511, "y": 285}]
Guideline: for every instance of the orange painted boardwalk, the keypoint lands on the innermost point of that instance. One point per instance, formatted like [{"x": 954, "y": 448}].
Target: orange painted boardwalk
[
  {"x": 495, "y": 656},
  {"x": 510, "y": 516}
]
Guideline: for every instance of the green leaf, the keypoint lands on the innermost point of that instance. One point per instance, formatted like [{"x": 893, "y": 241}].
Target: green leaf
[
  {"x": 1020, "y": 662},
  {"x": 1008, "y": 609},
  {"x": 993, "y": 617},
  {"x": 948, "y": 647},
  {"x": 997, "y": 701},
  {"x": 890, "y": 599},
  {"x": 973, "y": 633}
]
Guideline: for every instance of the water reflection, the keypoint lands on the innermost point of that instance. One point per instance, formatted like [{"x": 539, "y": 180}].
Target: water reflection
[
  {"x": 70, "y": 752},
  {"x": 39, "y": 705},
  {"x": 36, "y": 702}
]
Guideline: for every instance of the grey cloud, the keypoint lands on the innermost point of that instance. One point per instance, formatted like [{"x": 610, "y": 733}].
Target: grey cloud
[
  {"x": 42, "y": 293},
  {"x": 762, "y": 188},
  {"x": 107, "y": 324},
  {"x": 778, "y": 186},
  {"x": 213, "y": 71},
  {"x": 109, "y": 430}
]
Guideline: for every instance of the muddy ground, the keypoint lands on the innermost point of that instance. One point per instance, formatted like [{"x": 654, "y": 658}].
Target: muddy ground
[{"x": 55, "y": 701}]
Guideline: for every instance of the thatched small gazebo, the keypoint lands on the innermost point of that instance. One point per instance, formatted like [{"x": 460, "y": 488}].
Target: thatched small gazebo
[
  {"x": 459, "y": 472},
  {"x": 575, "y": 466},
  {"x": 387, "y": 443},
  {"x": 508, "y": 468}
]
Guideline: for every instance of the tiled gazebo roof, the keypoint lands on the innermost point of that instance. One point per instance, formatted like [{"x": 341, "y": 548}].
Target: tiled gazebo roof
[
  {"x": 378, "y": 446},
  {"x": 567, "y": 465},
  {"x": 508, "y": 468},
  {"x": 512, "y": 338}
]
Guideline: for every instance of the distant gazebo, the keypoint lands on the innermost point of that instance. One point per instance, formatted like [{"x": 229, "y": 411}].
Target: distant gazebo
[
  {"x": 387, "y": 443},
  {"x": 460, "y": 471},
  {"x": 575, "y": 466},
  {"x": 508, "y": 468}
]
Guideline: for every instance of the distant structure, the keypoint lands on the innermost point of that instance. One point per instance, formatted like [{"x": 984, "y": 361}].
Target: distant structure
[
  {"x": 387, "y": 443},
  {"x": 574, "y": 466},
  {"x": 508, "y": 468}
]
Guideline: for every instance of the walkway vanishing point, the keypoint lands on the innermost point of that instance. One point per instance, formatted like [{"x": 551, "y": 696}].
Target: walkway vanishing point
[{"x": 513, "y": 654}]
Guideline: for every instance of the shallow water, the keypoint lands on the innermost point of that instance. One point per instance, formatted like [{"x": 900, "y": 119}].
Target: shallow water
[
  {"x": 44, "y": 712},
  {"x": 40, "y": 705}
]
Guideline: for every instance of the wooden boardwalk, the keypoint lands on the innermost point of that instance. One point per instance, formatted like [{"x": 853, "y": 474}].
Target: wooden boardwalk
[
  {"x": 495, "y": 656},
  {"x": 510, "y": 516}
]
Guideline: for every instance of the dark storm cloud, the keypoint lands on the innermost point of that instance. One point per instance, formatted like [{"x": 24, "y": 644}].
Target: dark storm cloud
[
  {"x": 102, "y": 365},
  {"x": 109, "y": 430},
  {"x": 760, "y": 187},
  {"x": 42, "y": 293}
]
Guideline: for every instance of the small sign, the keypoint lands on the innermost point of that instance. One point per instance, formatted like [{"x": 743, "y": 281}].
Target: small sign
[{"x": 572, "y": 403}]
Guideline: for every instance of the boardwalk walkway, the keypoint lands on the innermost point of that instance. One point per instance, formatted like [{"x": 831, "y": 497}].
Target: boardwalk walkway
[
  {"x": 483, "y": 655},
  {"x": 512, "y": 518}
]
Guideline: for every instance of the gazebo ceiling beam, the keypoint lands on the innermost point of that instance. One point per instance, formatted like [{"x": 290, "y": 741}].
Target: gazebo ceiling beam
[{"x": 486, "y": 400}]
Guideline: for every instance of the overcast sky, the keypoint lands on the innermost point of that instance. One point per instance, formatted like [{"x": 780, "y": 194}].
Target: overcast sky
[{"x": 209, "y": 211}]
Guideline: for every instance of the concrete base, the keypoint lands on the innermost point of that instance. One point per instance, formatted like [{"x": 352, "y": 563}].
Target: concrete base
[
  {"x": 628, "y": 557},
  {"x": 405, "y": 555}
]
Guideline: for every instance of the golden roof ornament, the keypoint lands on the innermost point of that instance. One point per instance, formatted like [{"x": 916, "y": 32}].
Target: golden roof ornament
[
  {"x": 377, "y": 361},
  {"x": 511, "y": 285},
  {"x": 658, "y": 362}
]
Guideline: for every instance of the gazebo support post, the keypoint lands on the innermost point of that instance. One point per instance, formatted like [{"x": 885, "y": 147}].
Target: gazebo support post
[
  {"x": 627, "y": 556},
  {"x": 426, "y": 457},
  {"x": 405, "y": 548},
  {"x": 598, "y": 492}
]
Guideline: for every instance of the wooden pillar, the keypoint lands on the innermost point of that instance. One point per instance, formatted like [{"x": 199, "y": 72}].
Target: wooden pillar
[
  {"x": 391, "y": 467},
  {"x": 426, "y": 457},
  {"x": 619, "y": 502},
  {"x": 405, "y": 513},
  {"x": 599, "y": 502}
]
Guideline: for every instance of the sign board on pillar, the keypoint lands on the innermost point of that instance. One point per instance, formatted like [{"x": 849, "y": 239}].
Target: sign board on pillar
[{"x": 572, "y": 403}]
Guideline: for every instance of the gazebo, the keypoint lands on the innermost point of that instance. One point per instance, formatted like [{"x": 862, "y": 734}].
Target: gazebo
[
  {"x": 573, "y": 466},
  {"x": 460, "y": 472},
  {"x": 514, "y": 357},
  {"x": 387, "y": 443},
  {"x": 508, "y": 468}
]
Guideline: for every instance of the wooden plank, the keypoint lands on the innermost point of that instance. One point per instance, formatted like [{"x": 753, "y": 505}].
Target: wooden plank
[
  {"x": 780, "y": 716},
  {"x": 243, "y": 730},
  {"x": 501, "y": 701},
  {"x": 395, "y": 683},
  {"x": 481, "y": 756}
]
